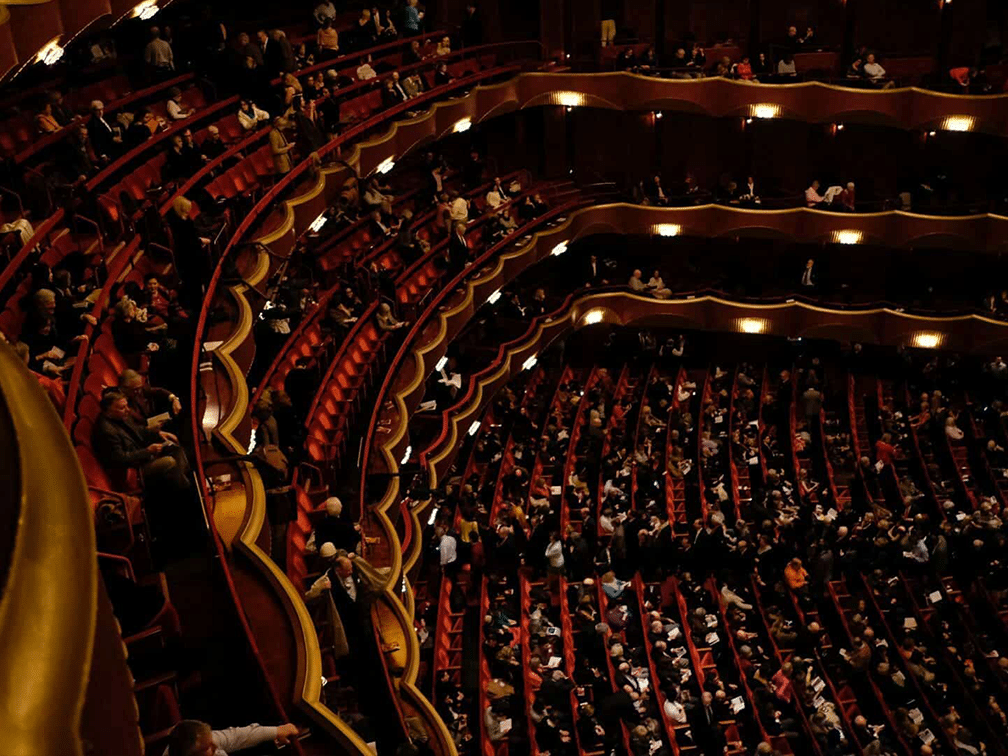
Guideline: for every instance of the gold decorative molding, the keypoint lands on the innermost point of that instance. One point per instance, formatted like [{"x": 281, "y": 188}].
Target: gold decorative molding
[{"x": 47, "y": 625}]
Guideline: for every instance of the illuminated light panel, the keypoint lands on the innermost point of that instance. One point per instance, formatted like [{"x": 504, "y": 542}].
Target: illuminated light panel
[
  {"x": 958, "y": 123},
  {"x": 317, "y": 224},
  {"x": 926, "y": 339},
  {"x": 461, "y": 125},
  {"x": 474, "y": 428},
  {"x": 492, "y": 299},
  {"x": 385, "y": 165},
  {"x": 752, "y": 325},
  {"x": 440, "y": 364},
  {"x": 569, "y": 99},
  {"x": 847, "y": 237},
  {"x": 50, "y": 53},
  {"x": 765, "y": 111},
  {"x": 559, "y": 249},
  {"x": 145, "y": 10},
  {"x": 406, "y": 456},
  {"x": 668, "y": 229},
  {"x": 593, "y": 316},
  {"x": 529, "y": 363}
]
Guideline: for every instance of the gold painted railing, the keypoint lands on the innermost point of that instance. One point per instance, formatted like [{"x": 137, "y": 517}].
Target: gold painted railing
[
  {"x": 813, "y": 102},
  {"x": 49, "y": 601}
]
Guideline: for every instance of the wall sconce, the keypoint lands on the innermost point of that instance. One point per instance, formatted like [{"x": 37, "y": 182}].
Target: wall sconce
[
  {"x": 926, "y": 339},
  {"x": 50, "y": 53},
  {"x": 406, "y": 456},
  {"x": 461, "y": 125},
  {"x": 385, "y": 166},
  {"x": 492, "y": 299},
  {"x": 958, "y": 123},
  {"x": 145, "y": 10},
  {"x": 559, "y": 249},
  {"x": 849, "y": 236},
  {"x": 593, "y": 316},
  {"x": 440, "y": 364},
  {"x": 765, "y": 111},
  {"x": 658, "y": 115},
  {"x": 474, "y": 428},
  {"x": 752, "y": 325},
  {"x": 668, "y": 229},
  {"x": 569, "y": 99},
  {"x": 529, "y": 363}
]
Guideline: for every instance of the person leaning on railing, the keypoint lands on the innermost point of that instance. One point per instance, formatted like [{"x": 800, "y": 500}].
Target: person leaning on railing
[{"x": 193, "y": 738}]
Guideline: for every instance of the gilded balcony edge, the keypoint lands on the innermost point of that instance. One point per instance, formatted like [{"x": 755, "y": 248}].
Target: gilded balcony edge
[{"x": 46, "y": 662}]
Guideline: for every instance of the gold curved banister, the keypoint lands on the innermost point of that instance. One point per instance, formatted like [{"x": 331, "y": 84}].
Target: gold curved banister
[{"x": 47, "y": 611}]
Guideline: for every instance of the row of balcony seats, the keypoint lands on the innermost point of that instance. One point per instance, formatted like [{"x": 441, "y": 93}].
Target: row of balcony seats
[{"x": 238, "y": 180}]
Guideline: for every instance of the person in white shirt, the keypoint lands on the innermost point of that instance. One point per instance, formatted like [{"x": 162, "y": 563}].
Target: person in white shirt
[
  {"x": 812, "y": 196},
  {"x": 250, "y": 115},
  {"x": 636, "y": 284},
  {"x": 448, "y": 550},
  {"x": 872, "y": 69},
  {"x": 460, "y": 210},
  {"x": 176, "y": 110},
  {"x": 554, "y": 554},
  {"x": 674, "y": 711},
  {"x": 494, "y": 198},
  {"x": 191, "y": 737},
  {"x": 365, "y": 71}
]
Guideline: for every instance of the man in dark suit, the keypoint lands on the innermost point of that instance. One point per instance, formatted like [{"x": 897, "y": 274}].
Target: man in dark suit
[
  {"x": 593, "y": 272},
  {"x": 707, "y": 732},
  {"x": 105, "y": 137},
  {"x": 121, "y": 445},
  {"x": 458, "y": 249},
  {"x": 810, "y": 276}
]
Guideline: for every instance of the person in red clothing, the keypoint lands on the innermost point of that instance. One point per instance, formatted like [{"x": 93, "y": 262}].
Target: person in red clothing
[
  {"x": 885, "y": 452},
  {"x": 781, "y": 681}
]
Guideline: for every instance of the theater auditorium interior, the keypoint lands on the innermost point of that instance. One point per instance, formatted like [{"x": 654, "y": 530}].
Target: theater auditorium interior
[{"x": 504, "y": 377}]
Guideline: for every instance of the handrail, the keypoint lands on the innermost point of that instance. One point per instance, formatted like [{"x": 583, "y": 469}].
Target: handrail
[{"x": 54, "y": 542}]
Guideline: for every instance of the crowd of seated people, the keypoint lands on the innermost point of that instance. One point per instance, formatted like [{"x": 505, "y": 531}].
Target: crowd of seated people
[
  {"x": 748, "y": 193},
  {"x": 775, "y": 63},
  {"x": 763, "y": 617}
]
